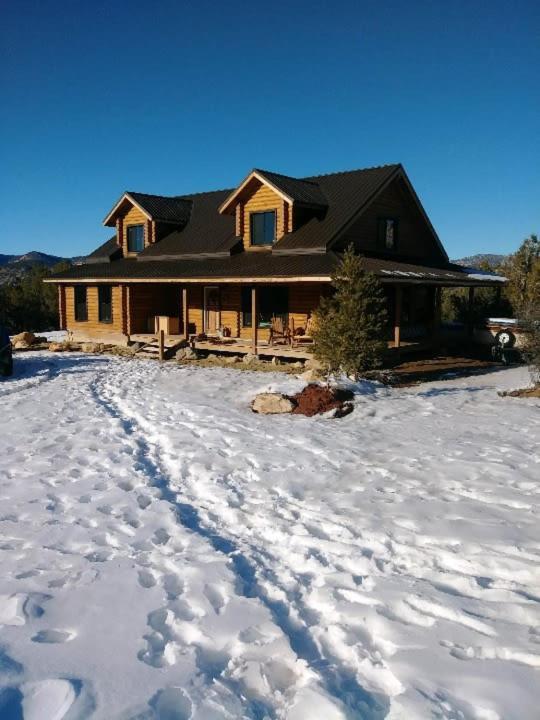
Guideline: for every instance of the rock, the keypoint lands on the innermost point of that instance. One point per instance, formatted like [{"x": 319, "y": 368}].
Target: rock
[
  {"x": 272, "y": 404},
  {"x": 90, "y": 347},
  {"x": 311, "y": 375},
  {"x": 313, "y": 364},
  {"x": 28, "y": 338},
  {"x": 186, "y": 353},
  {"x": 232, "y": 359},
  {"x": 250, "y": 358}
]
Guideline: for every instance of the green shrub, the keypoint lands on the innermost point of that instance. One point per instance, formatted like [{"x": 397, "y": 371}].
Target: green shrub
[{"x": 351, "y": 324}]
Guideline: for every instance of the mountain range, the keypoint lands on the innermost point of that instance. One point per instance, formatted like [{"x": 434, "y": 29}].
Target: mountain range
[
  {"x": 480, "y": 259},
  {"x": 13, "y": 267}
]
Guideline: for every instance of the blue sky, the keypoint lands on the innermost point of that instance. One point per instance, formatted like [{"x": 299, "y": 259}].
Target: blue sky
[{"x": 172, "y": 97}]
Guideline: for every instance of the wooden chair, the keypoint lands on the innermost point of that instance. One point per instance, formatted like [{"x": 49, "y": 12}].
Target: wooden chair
[
  {"x": 279, "y": 331},
  {"x": 301, "y": 336}
]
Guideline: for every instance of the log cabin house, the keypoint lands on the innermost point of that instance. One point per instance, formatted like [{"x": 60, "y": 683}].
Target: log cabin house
[{"x": 215, "y": 267}]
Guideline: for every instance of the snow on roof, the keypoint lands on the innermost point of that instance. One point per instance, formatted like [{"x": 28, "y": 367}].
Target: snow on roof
[{"x": 476, "y": 274}]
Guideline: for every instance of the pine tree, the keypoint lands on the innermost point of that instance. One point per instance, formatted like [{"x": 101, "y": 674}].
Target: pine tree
[
  {"x": 523, "y": 272},
  {"x": 351, "y": 324}
]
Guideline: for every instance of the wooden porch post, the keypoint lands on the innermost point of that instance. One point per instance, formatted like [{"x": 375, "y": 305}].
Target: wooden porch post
[
  {"x": 254, "y": 320},
  {"x": 62, "y": 307},
  {"x": 162, "y": 344},
  {"x": 498, "y": 298},
  {"x": 128, "y": 310},
  {"x": 470, "y": 317},
  {"x": 397, "y": 314},
  {"x": 436, "y": 326},
  {"x": 185, "y": 312}
]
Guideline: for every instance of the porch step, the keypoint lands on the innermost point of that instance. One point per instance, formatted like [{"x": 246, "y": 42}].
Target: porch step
[{"x": 151, "y": 349}]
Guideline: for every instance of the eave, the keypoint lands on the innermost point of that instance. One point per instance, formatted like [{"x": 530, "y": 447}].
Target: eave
[
  {"x": 110, "y": 219},
  {"x": 232, "y": 200}
]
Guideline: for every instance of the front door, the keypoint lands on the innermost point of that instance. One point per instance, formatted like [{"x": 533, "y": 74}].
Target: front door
[{"x": 211, "y": 310}]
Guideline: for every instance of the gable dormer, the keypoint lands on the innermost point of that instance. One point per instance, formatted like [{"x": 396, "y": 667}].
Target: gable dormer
[
  {"x": 267, "y": 206},
  {"x": 142, "y": 220}
]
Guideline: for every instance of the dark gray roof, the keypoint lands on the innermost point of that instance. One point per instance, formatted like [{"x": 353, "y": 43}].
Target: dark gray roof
[
  {"x": 305, "y": 192},
  {"x": 346, "y": 193},
  {"x": 241, "y": 265},
  {"x": 204, "y": 245},
  {"x": 106, "y": 252},
  {"x": 167, "y": 209},
  {"x": 390, "y": 270},
  {"x": 210, "y": 232},
  {"x": 267, "y": 264},
  {"x": 207, "y": 232}
]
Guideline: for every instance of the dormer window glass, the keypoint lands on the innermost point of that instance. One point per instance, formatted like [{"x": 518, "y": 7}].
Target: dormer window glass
[
  {"x": 263, "y": 228},
  {"x": 135, "y": 238},
  {"x": 388, "y": 233}
]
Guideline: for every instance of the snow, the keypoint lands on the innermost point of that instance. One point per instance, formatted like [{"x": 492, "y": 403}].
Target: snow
[{"x": 165, "y": 553}]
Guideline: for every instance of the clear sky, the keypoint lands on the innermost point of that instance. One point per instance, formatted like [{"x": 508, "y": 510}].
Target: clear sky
[{"x": 171, "y": 97}]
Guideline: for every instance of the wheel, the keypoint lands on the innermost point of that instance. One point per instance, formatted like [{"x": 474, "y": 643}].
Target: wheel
[{"x": 505, "y": 338}]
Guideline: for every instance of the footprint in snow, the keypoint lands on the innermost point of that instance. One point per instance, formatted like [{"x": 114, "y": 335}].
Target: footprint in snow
[
  {"x": 146, "y": 579},
  {"x": 172, "y": 704},
  {"x": 53, "y": 636},
  {"x": 51, "y": 699}
]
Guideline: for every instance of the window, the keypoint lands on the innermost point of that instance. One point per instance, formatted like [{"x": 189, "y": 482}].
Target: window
[
  {"x": 135, "y": 238},
  {"x": 273, "y": 302},
  {"x": 81, "y": 304},
  {"x": 388, "y": 233},
  {"x": 263, "y": 228},
  {"x": 105, "y": 303}
]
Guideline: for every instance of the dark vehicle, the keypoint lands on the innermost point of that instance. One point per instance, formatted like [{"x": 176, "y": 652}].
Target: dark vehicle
[{"x": 6, "y": 357}]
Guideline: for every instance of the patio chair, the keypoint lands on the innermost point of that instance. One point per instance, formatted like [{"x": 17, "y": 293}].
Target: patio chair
[
  {"x": 302, "y": 336},
  {"x": 279, "y": 332}
]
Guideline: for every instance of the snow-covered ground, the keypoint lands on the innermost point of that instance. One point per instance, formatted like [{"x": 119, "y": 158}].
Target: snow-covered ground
[{"x": 165, "y": 553}]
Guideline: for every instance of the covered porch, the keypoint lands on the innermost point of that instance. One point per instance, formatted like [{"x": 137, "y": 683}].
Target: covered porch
[{"x": 235, "y": 318}]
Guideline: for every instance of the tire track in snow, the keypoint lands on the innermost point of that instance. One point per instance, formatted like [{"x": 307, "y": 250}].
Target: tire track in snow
[{"x": 338, "y": 682}]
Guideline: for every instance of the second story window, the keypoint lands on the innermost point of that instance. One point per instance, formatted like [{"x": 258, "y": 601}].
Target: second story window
[
  {"x": 105, "y": 303},
  {"x": 388, "y": 233},
  {"x": 263, "y": 228},
  {"x": 81, "y": 304},
  {"x": 135, "y": 238}
]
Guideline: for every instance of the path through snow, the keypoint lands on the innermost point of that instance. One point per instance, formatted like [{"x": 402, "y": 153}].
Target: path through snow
[{"x": 167, "y": 554}]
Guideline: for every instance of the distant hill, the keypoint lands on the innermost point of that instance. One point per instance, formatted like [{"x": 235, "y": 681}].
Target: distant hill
[
  {"x": 478, "y": 260},
  {"x": 13, "y": 267}
]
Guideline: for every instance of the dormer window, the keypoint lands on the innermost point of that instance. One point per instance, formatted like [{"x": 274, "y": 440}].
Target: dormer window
[
  {"x": 263, "y": 228},
  {"x": 135, "y": 238}
]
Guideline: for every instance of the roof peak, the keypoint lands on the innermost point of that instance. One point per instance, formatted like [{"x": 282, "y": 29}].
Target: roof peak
[
  {"x": 354, "y": 170},
  {"x": 311, "y": 179}
]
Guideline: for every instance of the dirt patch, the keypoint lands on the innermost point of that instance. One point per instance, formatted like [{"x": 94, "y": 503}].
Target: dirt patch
[
  {"x": 531, "y": 392},
  {"x": 438, "y": 368},
  {"x": 316, "y": 399}
]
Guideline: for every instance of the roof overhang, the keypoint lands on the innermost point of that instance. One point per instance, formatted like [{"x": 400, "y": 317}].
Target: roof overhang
[
  {"x": 126, "y": 198},
  {"x": 232, "y": 200},
  {"x": 229, "y": 279}
]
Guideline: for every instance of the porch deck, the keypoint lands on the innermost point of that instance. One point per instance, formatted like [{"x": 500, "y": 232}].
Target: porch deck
[{"x": 242, "y": 346}]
